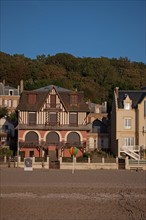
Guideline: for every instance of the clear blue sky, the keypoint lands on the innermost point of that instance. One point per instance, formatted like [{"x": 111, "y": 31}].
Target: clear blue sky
[{"x": 82, "y": 28}]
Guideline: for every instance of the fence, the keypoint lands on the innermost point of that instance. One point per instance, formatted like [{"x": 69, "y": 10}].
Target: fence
[
  {"x": 135, "y": 164},
  {"x": 86, "y": 164}
]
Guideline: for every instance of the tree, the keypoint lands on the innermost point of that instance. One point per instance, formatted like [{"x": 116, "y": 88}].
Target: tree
[
  {"x": 3, "y": 112},
  {"x": 12, "y": 118}
]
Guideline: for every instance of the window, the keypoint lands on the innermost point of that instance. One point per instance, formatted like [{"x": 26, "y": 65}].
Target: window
[
  {"x": 32, "y": 118},
  {"x": 144, "y": 108},
  {"x": 31, "y": 153},
  {"x": 11, "y": 92},
  {"x": 53, "y": 101},
  {"x": 128, "y": 141},
  {"x": 6, "y": 127},
  {"x": 6, "y": 103},
  {"x": 14, "y": 103},
  {"x": 32, "y": 137},
  {"x": 73, "y": 119},
  {"x": 10, "y": 103},
  {"x": 31, "y": 99},
  {"x": 52, "y": 138},
  {"x": 73, "y": 99},
  {"x": 53, "y": 118},
  {"x": 127, "y": 106},
  {"x": 91, "y": 142},
  {"x": 127, "y": 123},
  {"x": 73, "y": 138}
]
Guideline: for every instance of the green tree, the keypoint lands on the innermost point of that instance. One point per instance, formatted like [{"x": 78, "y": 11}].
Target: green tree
[{"x": 3, "y": 112}]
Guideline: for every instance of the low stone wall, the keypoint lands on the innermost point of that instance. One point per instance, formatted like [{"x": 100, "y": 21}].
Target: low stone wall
[
  {"x": 135, "y": 164},
  {"x": 89, "y": 165},
  {"x": 70, "y": 165}
]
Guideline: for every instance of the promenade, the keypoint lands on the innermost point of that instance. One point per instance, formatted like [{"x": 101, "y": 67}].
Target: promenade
[{"x": 60, "y": 195}]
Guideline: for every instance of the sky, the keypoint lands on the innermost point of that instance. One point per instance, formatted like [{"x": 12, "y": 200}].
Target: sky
[{"x": 106, "y": 28}]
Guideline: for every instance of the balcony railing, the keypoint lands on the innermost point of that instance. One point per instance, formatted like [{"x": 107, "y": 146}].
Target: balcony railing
[
  {"x": 45, "y": 145},
  {"x": 53, "y": 106},
  {"x": 56, "y": 125}
]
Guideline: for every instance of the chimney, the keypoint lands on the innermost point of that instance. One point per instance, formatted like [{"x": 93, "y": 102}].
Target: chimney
[
  {"x": 4, "y": 82},
  {"x": 21, "y": 86},
  {"x": 117, "y": 91}
]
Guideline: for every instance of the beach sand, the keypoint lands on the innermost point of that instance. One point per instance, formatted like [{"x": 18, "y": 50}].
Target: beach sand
[{"x": 60, "y": 195}]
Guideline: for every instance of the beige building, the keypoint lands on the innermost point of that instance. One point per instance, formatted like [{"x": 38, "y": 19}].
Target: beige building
[
  {"x": 9, "y": 96},
  {"x": 98, "y": 137},
  {"x": 128, "y": 123}
]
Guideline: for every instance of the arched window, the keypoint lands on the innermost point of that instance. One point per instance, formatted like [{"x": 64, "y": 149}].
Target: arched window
[
  {"x": 31, "y": 137},
  {"x": 73, "y": 138},
  {"x": 52, "y": 138}
]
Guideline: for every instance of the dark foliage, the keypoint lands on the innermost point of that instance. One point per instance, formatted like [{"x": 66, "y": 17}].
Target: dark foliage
[{"x": 97, "y": 77}]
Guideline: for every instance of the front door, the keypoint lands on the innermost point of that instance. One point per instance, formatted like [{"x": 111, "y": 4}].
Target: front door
[{"x": 31, "y": 153}]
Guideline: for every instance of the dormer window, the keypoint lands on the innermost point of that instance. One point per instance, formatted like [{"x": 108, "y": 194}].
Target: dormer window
[
  {"x": 127, "y": 106},
  {"x": 127, "y": 103},
  {"x": 32, "y": 99},
  {"x": 11, "y": 92},
  {"x": 73, "y": 99}
]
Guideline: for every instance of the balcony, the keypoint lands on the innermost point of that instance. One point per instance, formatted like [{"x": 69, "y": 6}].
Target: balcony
[
  {"x": 55, "y": 126},
  {"x": 45, "y": 145},
  {"x": 54, "y": 106},
  {"x": 52, "y": 123}
]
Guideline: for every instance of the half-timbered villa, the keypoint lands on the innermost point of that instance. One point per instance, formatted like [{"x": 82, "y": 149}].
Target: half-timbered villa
[{"x": 51, "y": 120}]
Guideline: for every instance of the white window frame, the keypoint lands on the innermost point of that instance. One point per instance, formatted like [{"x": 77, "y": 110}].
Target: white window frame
[
  {"x": 11, "y": 92},
  {"x": 127, "y": 123},
  {"x": 128, "y": 141},
  {"x": 127, "y": 106},
  {"x": 91, "y": 142},
  {"x": 9, "y": 103}
]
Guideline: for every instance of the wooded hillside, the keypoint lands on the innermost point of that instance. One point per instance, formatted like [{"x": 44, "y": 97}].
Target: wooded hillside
[{"x": 97, "y": 77}]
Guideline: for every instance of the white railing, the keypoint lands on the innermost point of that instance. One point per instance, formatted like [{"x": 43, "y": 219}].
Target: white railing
[
  {"x": 130, "y": 151},
  {"x": 142, "y": 147},
  {"x": 133, "y": 148}
]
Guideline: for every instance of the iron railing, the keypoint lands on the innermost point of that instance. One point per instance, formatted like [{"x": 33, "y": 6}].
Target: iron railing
[{"x": 43, "y": 144}]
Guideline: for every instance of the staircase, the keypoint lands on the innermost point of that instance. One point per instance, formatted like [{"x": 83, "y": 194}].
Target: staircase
[{"x": 131, "y": 153}]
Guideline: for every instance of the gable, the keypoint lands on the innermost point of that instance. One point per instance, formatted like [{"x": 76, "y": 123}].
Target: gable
[
  {"x": 58, "y": 97},
  {"x": 135, "y": 96}
]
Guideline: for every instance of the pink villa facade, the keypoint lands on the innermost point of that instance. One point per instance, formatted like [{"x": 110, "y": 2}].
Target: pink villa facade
[
  {"x": 51, "y": 120},
  {"x": 39, "y": 150}
]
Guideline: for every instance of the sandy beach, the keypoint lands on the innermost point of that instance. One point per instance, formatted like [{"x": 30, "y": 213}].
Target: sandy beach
[{"x": 60, "y": 195}]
